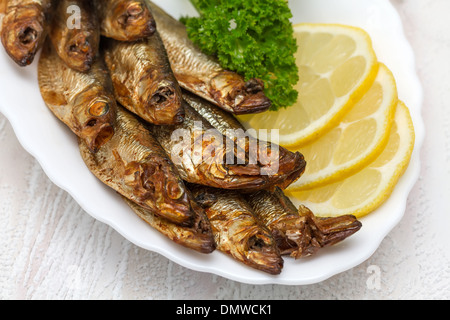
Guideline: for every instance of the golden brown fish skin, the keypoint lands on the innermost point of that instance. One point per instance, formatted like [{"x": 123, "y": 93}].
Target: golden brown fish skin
[
  {"x": 203, "y": 75},
  {"x": 78, "y": 46},
  {"x": 83, "y": 101},
  {"x": 290, "y": 165},
  {"x": 2, "y": 14},
  {"x": 143, "y": 80},
  {"x": 134, "y": 164},
  {"x": 197, "y": 237},
  {"x": 297, "y": 231},
  {"x": 202, "y": 155},
  {"x": 2, "y": 8},
  {"x": 237, "y": 231},
  {"x": 125, "y": 20},
  {"x": 24, "y": 28}
]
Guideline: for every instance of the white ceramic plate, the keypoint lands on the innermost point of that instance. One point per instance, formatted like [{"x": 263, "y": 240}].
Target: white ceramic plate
[{"x": 55, "y": 147}]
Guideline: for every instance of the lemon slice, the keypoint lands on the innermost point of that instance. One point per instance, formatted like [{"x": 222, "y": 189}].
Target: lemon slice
[
  {"x": 358, "y": 139},
  {"x": 337, "y": 65},
  {"x": 365, "y": 191}
]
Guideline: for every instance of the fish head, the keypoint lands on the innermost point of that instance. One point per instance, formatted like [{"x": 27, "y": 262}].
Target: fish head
[
  {"x": 81, "y": 49},
  {"x": 291, "y": 168},
  {"x": 240, "y": 96},
  {"x": 221, "y": 164},
  {"x": 258, "y": 249},
  {"x": 160, "y": 189},
  {"x": 23, "y": 36},
  {"x": 95, "y": 112},
  {"x": 133, "y": 18},
  {"x": 162, "y": 99}
]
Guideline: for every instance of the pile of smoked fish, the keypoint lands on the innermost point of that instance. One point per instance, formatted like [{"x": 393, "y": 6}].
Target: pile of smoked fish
[{"x": 125, "y": 78}]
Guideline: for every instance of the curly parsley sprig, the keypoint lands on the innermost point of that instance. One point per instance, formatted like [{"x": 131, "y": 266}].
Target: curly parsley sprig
[{"x": 253, "y": 38}]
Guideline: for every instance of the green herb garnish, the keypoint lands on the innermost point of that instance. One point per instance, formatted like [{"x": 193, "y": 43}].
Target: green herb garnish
[{"x": 253, "y": 38}]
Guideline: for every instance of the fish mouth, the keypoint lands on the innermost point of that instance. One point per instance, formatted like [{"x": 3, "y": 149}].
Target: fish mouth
[
  {"x": 254, "y": 100},
  {"x": 262, "y": 254},
  {"x": 253, "y": 104},
  {"x": 166, "y": 106},
  {"x": 241, "y": 97},
  {"x": 80, "y": 50},
  {"x": 293, "y": 237},
  {"x": 303, "y": 235},
  {"x": 28, "y": 35},
  {"x": 101, "y": 134},
  {"x": 98, "y": 128},
  {"x": 291, "y": 168},
  {"x": 204, "y": 241},
  {"x": 79, "y": 44},
  {"x": 332, "y": 230},
  {"x": 162, "y": 95},
  {"x": 133, "y": 11},
  {"x": 176, "y": 212}
]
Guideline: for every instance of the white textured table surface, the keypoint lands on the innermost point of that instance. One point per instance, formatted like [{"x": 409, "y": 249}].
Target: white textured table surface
[{"x": 51, "y": 249}]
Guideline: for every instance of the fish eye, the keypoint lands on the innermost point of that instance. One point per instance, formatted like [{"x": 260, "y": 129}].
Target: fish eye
[
  {"x": 174, "y": 190},
  {"x": 99, "y": 108}
]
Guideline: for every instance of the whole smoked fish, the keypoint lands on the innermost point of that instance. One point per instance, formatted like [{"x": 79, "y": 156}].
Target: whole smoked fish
[
  {"x": 203, "y": 75},
  {"x": 237, "y": 231},
  {"x": 24, "y": 28},
  {"x": 143, "y": 80},
  {"x": 83, "y": 101},
  {"x": 76, "y": 39},
  {"x": 125, "y": 20},
  {"x": 134, "y": 164}
]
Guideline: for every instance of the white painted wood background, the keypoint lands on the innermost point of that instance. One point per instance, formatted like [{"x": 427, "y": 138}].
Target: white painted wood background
[{"x": 51, "y": 249}]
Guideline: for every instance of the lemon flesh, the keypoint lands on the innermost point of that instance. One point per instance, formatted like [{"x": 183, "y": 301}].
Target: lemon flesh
[{"x": 366, "y": 190}]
